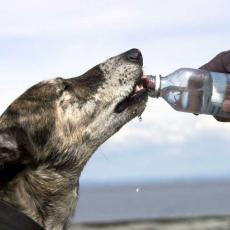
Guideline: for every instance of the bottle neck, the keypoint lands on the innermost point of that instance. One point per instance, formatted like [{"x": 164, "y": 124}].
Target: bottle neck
[{"x": 155, "y": 92}]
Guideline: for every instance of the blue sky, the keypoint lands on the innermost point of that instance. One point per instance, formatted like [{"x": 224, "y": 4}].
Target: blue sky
[{"x": 45, "y": 39}]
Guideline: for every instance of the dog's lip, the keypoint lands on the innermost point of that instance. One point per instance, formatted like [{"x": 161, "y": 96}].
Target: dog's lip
[{"x": 139, "y": 91}]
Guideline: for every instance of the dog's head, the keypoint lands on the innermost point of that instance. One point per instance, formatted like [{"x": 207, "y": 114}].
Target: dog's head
[{"x": 76, "y": 114}]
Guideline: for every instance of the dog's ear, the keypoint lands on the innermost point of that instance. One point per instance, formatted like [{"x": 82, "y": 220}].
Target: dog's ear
[{"x": 9, "y": 152}]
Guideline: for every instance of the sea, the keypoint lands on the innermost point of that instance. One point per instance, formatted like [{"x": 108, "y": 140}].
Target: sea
[{"x": 142, "y": 201}]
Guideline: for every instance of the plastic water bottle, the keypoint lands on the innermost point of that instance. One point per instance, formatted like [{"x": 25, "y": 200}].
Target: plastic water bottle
[{"x": 193, "y": 90}]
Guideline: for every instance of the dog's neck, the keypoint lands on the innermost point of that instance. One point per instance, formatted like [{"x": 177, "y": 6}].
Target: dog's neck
[{"x": 48, "y": 193}]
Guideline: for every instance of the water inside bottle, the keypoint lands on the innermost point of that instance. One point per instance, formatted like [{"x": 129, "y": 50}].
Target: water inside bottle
[{"x": 188, "y": 99}]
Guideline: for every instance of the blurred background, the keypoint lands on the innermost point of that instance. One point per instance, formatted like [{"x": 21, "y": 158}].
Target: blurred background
[{"x": 176, "y": 154}]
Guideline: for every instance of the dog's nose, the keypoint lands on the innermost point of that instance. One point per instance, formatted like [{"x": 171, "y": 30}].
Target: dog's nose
[{"x": 134, "y": 55}]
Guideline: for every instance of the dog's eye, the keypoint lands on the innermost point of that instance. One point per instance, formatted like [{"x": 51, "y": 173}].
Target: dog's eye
[
  {"x": 65, "y": 86},
  {"x": 59, "y": 78}
]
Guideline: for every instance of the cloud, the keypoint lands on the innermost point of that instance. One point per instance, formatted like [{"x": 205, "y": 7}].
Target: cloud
[
  {"x": 45, "y": 18},
  {"x": 162, "y": 125},
  {"x": 201, "y": 155}
]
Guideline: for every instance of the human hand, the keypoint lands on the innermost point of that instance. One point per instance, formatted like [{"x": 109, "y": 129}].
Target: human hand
[{"x": 221, "y": 63}]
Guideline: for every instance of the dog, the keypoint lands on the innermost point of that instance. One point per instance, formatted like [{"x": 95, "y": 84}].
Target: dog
[{"x": 49, "y": 133}]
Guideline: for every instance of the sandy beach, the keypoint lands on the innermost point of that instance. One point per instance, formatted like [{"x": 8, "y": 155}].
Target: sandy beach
[{"x": 200, "y": 223}]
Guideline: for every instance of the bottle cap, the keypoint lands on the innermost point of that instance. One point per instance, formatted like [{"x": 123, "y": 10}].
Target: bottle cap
[{"x": 155, "y": 92}]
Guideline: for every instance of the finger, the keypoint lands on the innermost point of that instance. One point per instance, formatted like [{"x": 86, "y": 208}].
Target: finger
[
  {"x": 222, "y": 119},
  {"x": 226, "y": 106},
  {"x": 226, "y": 61},
  {"x": 220, "y": 63}
]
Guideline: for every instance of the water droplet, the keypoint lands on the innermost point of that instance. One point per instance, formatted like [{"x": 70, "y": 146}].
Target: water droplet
[{"x": 140, "y": 118}]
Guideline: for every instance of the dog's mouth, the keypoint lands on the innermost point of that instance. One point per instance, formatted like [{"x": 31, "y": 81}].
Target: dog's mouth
[{"x": 140, "y": 90}]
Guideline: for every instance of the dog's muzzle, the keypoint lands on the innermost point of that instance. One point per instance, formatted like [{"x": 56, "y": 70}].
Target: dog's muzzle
[{"x": 140, "y": 87}]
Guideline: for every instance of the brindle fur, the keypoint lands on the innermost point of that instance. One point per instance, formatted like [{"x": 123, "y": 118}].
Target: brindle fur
[{"x": 49, "y": 133}]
